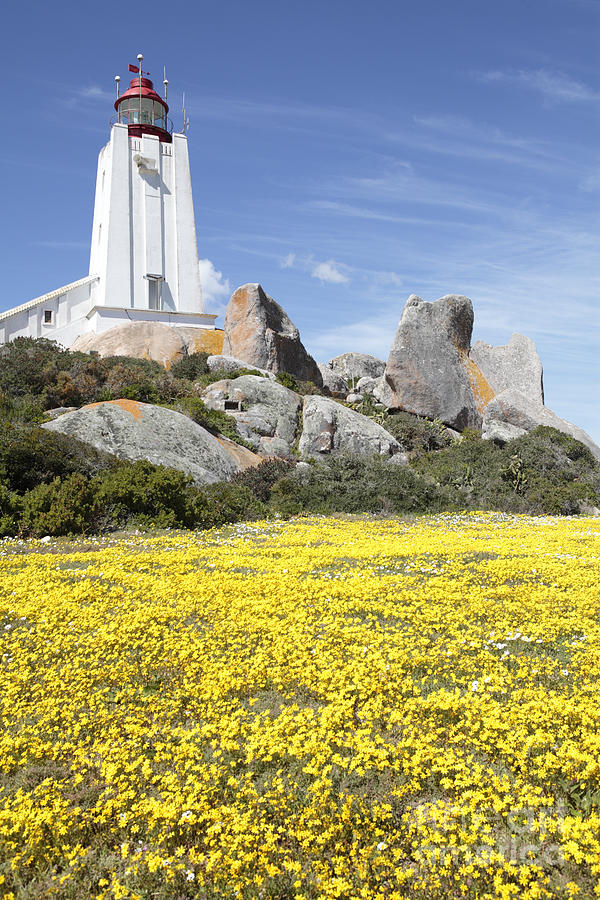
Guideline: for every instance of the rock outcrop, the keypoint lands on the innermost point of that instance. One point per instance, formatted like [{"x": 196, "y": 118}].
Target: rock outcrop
[
  {"x": 269, "y": 415},
  {"x": 133, "y": 431},
  {"x": 354, "y": 366},
  {"x": 219, "y": 363},
  {"x": 332, "y": 380},
  {"x": 330, "y": 428},
  {"x": 429, "y": 371},
  {"x": 513, "y": 366},
  {"x": 259, "y": 332},
  {"x": 151, "y": 340},
  {"x": 500, "y": 432},
  {"x": 517, "y": 409},
  {"x": 200, "y": 340},
  {"x": 366, "y": 385},
  {"x": 382, "y": 392}
]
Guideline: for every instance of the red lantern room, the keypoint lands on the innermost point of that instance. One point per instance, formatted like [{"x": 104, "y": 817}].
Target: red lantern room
[{"x": 141, "y": 108}]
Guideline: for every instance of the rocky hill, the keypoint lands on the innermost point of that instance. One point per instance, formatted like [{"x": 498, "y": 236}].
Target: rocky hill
[
  {"x": 432, "y": 371},
  {"x": 147, "y": 430}
]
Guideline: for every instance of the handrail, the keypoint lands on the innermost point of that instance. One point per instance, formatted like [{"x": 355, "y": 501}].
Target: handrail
[{"x": 167, "y": 126}]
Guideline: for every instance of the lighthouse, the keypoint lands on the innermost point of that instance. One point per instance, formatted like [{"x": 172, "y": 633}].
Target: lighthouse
[{"x": 143, "y": 255}]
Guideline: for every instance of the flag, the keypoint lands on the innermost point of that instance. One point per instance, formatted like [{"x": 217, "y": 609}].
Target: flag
[{"x": 135, "y": 69}]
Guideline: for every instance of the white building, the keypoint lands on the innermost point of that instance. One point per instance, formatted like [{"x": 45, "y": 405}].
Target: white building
[{"x": 143, "y": 257}]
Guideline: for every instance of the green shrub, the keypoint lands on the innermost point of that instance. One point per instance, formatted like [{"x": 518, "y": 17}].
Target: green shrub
[
  {"x": 147, "y": 368},
  {"x": 543, "y": 472},
  {"x": 131, "y": 383},
  {"x": 287, "y": 380},
  {"x": 552, "y": 471},
  {"x": 141, "y": 493},
  {"x": 63, "y": 506},
  {"x": 27, "y": 410},
  {"x": 11, "y": 506},
  {"x": 28, "y": 365},
  {"x": 354, "y": 484},
  {"x": 214, "y": 420},
  {"x": 416, "y": 434},
  {"x": 473, "y": 467},
  {"x": 82, "y": 383},
  {"x": 299, "y": 387},
  {"x": 260, "y": 479},
  {"x": 30, "y": 455},
  {"x": 225, "y": 502},
  {"x": 190, "y": 367},
  {"x": 306, "y": 388}
]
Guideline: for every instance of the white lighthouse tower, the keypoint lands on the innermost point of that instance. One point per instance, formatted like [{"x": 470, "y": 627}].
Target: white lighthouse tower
[{"x": 143, "y": 256}]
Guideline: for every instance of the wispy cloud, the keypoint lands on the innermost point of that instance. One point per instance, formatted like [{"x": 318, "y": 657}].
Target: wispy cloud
[
  {"x": 94, "y": 92},
  {"x": 330, "y": 272},
  {"x": 82, "y": 97},
  {"x": 405, "y": 187},
  {"x": 466, "y": 139},
  {"x": 554, "y": 86},
  {"x": 363, "y": 212},
  {"x": 290, "y": 116},
  {"x": 288, "y": 261}
]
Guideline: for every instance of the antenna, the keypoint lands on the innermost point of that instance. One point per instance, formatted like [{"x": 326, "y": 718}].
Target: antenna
[
  {"x": 140, "y": 59},
  {"x": 186, "y": 121},
  {"x": 165, "y": 82},
  {"x": 117, "y": 80}
]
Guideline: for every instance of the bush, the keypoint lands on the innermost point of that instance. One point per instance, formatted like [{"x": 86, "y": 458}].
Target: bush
[
  {"x": 553, "y": 471},
  {"x": 83, "y": 382},
  {"x": 354, "y": 484},
  {"x": 287, "y": 380},
  {"x": 309, "y": 387},
  {"x": 31, "y": 455},
  {"x": 224, "y": 502},
  {"x": 190, "y": 367},
  {"x": 64, "y": 506},
  {"x": 543, "y": 472},
  {"x": 260, "y": 479},
  {"x": 11, "y": 506},
  {"x": 299, "y": 387},
  {"x": 476, "y": 469},
  {"x": 27, "y": 365},
  {"x": 131, "y": 383},
  {"x": 28, "y": 410},
  {"x": 213, "y": 420},
  {"x": 141, "y": 493},
  {"x": 416, "y": 434}
]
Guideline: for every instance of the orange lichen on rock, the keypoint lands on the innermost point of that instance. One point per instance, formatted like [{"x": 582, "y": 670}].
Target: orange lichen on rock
[
  {"x": 482, "y": 390},
  {"x": 207, "y": 340},
  {"x": 130, "y": 406}
]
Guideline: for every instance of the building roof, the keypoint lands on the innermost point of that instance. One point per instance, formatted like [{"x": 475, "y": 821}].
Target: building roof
[
  {"x": 146, "y": 91},
  {"x": 38, "y": 301}
]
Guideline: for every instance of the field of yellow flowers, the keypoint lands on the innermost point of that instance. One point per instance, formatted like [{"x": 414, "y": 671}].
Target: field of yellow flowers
[{"x": 320, "y": 708}]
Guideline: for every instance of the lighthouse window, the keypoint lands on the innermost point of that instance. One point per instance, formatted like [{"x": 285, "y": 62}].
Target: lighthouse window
[
  {"x": 154, "y": 293},
  {"x": 148, "y": 112}
]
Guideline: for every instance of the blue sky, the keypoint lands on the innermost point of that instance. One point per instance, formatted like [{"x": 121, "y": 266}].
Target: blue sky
[{"x": 344, "y": 154}]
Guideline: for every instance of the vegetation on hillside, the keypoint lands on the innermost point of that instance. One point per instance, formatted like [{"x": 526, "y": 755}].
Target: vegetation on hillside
[
  {"x": 53, "y": 484},
  {"x": 38, "y": 375}
]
